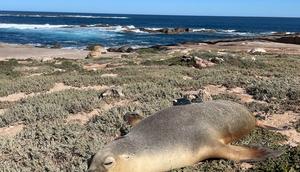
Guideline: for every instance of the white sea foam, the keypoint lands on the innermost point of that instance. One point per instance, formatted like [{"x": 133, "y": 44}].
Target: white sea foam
[
  {"x": 153, "y": 28},
  {"x": 119, "y": 28},
  {"x": 228, "y": 31},
  {"x": 202, "y": 30},
  {"x": 29, "y": 26},
  {"x": 289, "y": 33},
  {"x": 66, "y": 16},
  {"x": 235, "y": 32}
]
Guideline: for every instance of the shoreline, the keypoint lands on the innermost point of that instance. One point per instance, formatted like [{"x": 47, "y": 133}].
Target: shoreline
[
  {"x": 21, "y": 52},
  {"x": 281, "y": 43}
]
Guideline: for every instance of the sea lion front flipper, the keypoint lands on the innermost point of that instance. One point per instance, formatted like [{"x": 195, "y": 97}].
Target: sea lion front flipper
[
  {"x": 132, "y": 118},
  {"x": 245, "y": 154}
]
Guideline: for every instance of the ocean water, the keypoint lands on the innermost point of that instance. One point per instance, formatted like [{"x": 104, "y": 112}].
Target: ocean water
[{"x": 77, "y": 30}]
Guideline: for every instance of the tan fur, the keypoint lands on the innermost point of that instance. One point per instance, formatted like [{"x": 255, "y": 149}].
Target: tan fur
[
  {"x": 182, "y": 136},
  {"x": 174, "y": 159}
]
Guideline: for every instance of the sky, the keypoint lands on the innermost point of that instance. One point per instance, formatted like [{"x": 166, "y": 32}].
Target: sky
[{"x": 268, "y": 8}]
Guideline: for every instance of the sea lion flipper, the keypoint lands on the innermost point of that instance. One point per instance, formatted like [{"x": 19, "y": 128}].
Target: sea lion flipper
[
  {"x": 132, "y": 118},
  {"x": 245, "y": 154},
  {"x": 260, "y": 124}
]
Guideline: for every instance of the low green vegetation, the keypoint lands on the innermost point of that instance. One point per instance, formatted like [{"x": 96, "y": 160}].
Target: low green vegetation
[
  {"x": 7, "y": 69},
  {"x": 48, "y": 107},
  {"x": 150, "y": 79}
]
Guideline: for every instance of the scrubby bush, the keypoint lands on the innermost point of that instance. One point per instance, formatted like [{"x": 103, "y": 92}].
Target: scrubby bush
[
  {"x": 288, "y": 161},
  {"x": 50, "y": 146},
  {"x": 7, "y": 69},
  {"x": 26, "y": 85},
  {"x": 47, "y": 107}
]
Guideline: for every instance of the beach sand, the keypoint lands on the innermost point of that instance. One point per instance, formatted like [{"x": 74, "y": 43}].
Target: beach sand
[{"x": 13, "y": 51}]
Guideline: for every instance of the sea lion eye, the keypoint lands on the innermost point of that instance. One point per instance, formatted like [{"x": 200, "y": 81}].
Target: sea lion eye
[{"x": 109, "y": 162}]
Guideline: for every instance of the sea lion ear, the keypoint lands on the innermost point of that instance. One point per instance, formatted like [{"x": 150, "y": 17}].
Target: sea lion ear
[{"x": 132, "y": 118}]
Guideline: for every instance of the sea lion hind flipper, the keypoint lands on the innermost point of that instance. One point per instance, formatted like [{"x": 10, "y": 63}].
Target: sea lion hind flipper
[
  {"x": 246, "y": 154},
  {"x": 132, "y": 118},
  {"x": 260, "y": 124}
]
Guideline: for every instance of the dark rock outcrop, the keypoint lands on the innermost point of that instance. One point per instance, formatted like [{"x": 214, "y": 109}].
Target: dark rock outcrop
[
  {"x": 295, "y": 39},
  {"x": 123, "y": 49},
  {"x": 280, "y": 38},
  {"x": 168, "y": 30}
]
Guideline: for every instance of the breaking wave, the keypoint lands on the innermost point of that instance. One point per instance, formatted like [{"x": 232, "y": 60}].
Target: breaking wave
[
  {"x": 64, "y": 16},
  {"x": 29, "y": 26},
  {"x": 118, "y": 28}
]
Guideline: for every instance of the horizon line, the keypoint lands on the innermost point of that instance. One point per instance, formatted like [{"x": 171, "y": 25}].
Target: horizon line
[{"x": 183, "y": 15}]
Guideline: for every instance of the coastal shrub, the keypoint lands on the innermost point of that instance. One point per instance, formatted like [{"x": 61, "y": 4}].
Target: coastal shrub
[
  {"x": 26, "y": 85},
  {"x": 263, "y": 137},
  {"x": 150, "y": 92},
  {"x": 150, "y": 62},
  {"x": 73, "y": 101},
  {"x": 266, "y": 90},
  {"x": 50, "y": 146},
  {"x": 29, "y": 113},
  {"x": 87, "y": 79},
  {"x": 5, "y": 104},
  {"x": 67, "y": 65},
  {"x": 51, "y": 106},
  {"x": 266, "y": 108},
  {"x": 288, "y": 161},
  {"x": 147, "y": 51},
  {"x": 108, "y": 123},
  {"x": 203, "y": 54},
  {"x": 246, "y": 63},
  {"x": 7, "y": 69},
  {"x": 294, "y": 93},
  {"x": 174, "y": 61}
]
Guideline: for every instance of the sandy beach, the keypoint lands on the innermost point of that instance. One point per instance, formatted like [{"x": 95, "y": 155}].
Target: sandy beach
[{"x": 13, "y": 51}]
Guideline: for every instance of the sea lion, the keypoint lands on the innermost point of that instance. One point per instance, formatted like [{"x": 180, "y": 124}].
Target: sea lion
[{"x": 181, "y": 136}]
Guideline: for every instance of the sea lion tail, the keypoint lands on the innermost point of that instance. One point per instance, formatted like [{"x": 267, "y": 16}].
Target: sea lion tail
[{"x": 260, "y": 124}]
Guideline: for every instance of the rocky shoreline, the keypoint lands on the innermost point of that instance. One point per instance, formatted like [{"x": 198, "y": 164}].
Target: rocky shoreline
[
  {"x": 9, "y": 51},
  {"x": 166, "y": 30}
]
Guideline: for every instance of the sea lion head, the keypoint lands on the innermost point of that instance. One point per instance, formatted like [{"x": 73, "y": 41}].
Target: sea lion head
[{"x": 112, "y": 159}]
